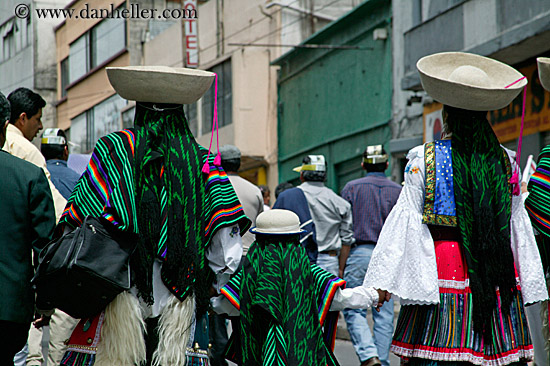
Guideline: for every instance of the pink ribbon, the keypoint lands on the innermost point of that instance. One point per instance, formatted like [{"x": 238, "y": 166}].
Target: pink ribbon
[
  {"x": 218, "y": 159},
  {"x": 514, "y": 180}
]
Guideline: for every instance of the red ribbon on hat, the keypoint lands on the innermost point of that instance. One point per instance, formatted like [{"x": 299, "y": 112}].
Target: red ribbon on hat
[
  {"x": 514, "y": 180},
  {"x": 218, "y": 158}
]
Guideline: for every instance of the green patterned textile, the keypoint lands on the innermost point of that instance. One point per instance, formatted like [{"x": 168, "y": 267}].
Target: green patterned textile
[
  {"x": 537, "y": 205},
  {"x": 283, "y": 302},
  {"x": 160, "y": 193},
  {"x": 170, "y": 193},
  {"x": 483, "y": 205}
]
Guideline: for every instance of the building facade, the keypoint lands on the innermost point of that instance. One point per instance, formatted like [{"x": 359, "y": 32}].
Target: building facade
[
  {"x": 514, "y": 32},
  {"x": 337, "y": 101},
  {"x": 239, "y": 40},
  {"x": 27, "y": 58},
  {"x": 87, "y": 105}
]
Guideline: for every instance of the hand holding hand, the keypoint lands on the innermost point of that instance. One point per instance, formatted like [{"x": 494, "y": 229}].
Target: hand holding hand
[
  {"x": 383, "y": 296},
  {"x": 42, "y": 321},
  {"x": 524, "y": 187}
]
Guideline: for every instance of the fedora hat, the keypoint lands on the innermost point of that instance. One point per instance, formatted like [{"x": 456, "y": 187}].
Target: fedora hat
[
  {"x": 160, "y": 84},
  {"x": 544, "y": 71},
  {"x": 468, "y": 81},
  {"x": 277, "y": 222}
]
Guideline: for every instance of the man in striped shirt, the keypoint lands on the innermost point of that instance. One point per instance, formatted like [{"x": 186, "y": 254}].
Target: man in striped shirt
[{"x": 372, "y": 198}]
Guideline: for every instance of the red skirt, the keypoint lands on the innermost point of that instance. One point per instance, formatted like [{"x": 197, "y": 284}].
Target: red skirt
[{"x": 444, "y": 332}]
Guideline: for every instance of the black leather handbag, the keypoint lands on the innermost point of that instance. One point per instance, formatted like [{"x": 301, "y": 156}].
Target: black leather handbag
[{"x": 84, "y": 270}]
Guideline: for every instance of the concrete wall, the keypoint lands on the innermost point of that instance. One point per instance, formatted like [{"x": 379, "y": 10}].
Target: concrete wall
[
  {"x": 221, "y": 22},
  {"x": 254, "y": 91},
  {"x": 406, "y": 124},
  {"x": 507, "y": 30},
  {"x": 511, "y": 31},
  {"x": 154, "y": 51},
  {"x": 34, "y": 64},
  {"x": 18, "y": 71}
]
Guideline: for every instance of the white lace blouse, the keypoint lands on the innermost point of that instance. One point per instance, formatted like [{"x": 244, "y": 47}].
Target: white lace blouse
[{"x": 404, "y": 263}]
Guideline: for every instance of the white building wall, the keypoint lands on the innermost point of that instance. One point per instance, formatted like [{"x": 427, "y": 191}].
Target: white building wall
[{"x": 33, "y": 65}]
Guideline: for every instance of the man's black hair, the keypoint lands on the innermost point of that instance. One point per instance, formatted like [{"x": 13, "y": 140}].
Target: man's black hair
[
  {"x": 4, "y": 110},
  {"x": 23, "y": 100},
  {"x": 282, "y": 187},
  {"x": 264, "y": 189},
  {"x": 231, "y": 165}
]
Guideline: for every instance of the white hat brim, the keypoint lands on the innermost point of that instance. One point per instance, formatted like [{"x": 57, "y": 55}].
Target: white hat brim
[
  {"x": 435, "y": 71},
  {"x": 544, "y": 71},
  {"x": 160, "y": 84},
  {"x": 255, "y": 230}
]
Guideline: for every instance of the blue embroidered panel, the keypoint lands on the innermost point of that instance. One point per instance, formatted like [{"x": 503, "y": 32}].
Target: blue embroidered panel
[{"x": 444, "y": 203}]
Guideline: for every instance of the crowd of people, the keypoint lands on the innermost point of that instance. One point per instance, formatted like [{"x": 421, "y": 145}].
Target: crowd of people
[{"x": 455, "y": 243}]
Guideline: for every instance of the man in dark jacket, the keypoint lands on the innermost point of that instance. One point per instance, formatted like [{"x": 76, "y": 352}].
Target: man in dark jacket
[{"x": 28, "y": 222}]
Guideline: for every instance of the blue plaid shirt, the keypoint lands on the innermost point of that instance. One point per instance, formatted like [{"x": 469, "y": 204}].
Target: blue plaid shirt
[{"x": 372, "y": 199}]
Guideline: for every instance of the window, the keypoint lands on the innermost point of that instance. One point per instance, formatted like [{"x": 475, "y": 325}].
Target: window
[
  {"x": 9, "y": 45},
  {"x": 128, "y": 117},
  {"x": 64, "y": 76},
  {"x": 14, "y": 36},
  {"x": 192, "y": 118},
  {"x": 107, "y": 116},
  {"x": 79, "y": 63},
  {"x": 96, "y": 46},
  {"x": 107, "y": 39},
  {"x": 79, "y": 126},
  {"x": 225, "y": 98},
  {"x": 102, "y": 119}
]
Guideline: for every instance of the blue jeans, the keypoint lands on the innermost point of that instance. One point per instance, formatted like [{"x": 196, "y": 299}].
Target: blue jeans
[
  {"x": 367, "y": 346},
  {"x": 20, "y": 358},
  {"x": 328, "y": 263}
]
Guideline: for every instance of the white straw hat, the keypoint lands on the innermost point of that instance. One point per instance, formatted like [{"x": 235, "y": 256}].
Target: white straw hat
[
  {"x": 160, "y": 84},
  {"x": 277, "y": 222},
  {"x": 468, "y": 81},
  {"x": 544, "y": 71}
]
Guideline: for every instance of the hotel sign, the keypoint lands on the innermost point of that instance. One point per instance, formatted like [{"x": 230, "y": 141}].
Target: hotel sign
[{"x": 191, "y": 34}]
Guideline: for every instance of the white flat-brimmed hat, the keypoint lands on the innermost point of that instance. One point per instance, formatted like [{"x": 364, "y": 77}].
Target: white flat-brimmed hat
[
  {"x": 277, "y": 222},
  {"x": 316, "y": 164},
  {"x": 375, "y": 155},
  {"x": 544, "y": 71},
  {"x": 160, "y": 84},
  {"x": 469, "y": 81}
]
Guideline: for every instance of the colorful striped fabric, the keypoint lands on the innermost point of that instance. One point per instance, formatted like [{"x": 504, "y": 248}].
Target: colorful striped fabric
[
  {"x": 538, "y": 202},
  {"x": 445, "y": 333},
  {"x": 107, "y": 189},
  {"x": 287, "y": 335}
]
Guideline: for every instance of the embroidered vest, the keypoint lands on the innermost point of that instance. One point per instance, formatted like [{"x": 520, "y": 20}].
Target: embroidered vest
[{"x": 439, "y": 198}]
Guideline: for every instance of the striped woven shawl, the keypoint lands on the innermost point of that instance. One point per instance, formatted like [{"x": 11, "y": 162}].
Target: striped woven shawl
[{"x": 107, "y": 188}]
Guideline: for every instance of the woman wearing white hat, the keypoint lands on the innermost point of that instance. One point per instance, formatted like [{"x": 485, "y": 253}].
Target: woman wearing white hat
[
  {"x": 538, "y": 202},
  {"x": 457, "y": 239},
  {"x": 283, "y": 301},
  {"x": 154, "y": 180}
]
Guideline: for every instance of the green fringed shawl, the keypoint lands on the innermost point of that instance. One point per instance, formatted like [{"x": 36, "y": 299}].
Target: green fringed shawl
[
  {"x": 189, "y": 213},
  {"x": 283, "y": 301}
]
